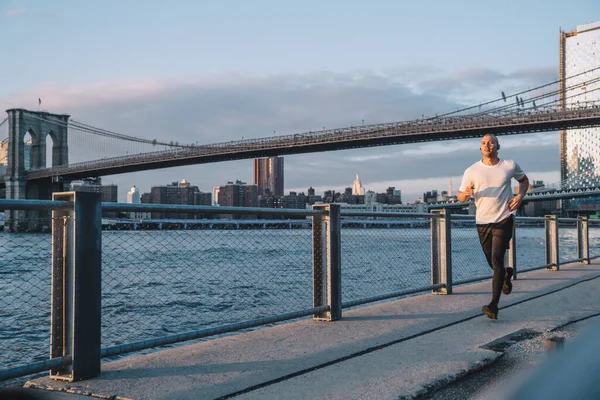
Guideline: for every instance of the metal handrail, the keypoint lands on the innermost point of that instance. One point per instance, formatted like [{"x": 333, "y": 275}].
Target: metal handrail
[
  {"x": 14, "y": 204},
  {"x": 129, "y": 207},
  {"x": 379, "y": 214}
]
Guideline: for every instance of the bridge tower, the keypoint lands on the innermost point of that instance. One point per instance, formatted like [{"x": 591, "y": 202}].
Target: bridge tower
[{"x": 39, "y": 125}]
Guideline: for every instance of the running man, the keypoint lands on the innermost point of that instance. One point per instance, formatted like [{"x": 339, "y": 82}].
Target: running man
[{"x": 489, "y": 181}]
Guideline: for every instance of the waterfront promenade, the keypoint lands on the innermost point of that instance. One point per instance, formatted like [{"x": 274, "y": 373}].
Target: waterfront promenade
[{"x": 397, "y": 349}]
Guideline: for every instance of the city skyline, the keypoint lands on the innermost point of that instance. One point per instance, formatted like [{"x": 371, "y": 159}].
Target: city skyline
[
  {"x": 331, "y": 76},
  {"x": 339, "y": 189}
]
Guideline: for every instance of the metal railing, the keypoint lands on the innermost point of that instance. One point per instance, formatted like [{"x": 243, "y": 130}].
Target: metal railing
[{"x": 112, "y": 292}]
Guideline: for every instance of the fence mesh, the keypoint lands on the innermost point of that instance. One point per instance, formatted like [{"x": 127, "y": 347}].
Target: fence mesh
[
  {"x": 531, "y": 244},
  {"x": 25, "y": 284},
  {"x": 594, "y": 235},
  {"x": 384, "y": 256},
  {"x": 468, "y": 260},
  {"x": 161, "y": 282},
  {"x": 567, "y": 239}
]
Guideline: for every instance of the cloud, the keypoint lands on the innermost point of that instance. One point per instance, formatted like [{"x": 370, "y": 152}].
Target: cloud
[
  {"x": 223, "y": 107},
  {"x": 470, "y": 86},
  {"x": 14, "y": 12}
]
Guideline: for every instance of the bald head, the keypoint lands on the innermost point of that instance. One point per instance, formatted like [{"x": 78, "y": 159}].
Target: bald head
[
  {"x": 490, "y": 146},
  {"x": 492, "y": 137}
]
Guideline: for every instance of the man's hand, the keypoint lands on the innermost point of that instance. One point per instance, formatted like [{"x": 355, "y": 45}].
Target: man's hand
[
  {"x": 469, "y": 191},
  {"x": 515, "y": 202},
  {"x": 464, "y": 196}
]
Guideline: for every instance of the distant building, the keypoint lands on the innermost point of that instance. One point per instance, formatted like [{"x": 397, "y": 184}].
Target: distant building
[
  {"x": 538, "y": 208},
  {"x": 430, "y": 197},
  {"x": 238, "y": 194},
  {"x": 146, "y": 198},
  {"x": 393, "y": 196},
  {"x": 109, "y": 193},
  {"x": 182, "y": 193},
  {"x": 312, "y": 197},
  {"x": 293, "y": 200},
  {"x": 202, "y": 199},
  {"x": 215, "y": 198},
  {"x": 4, "y": 156},
  {"x": 580, "y": 148},
  {"x": 133, "y": 197},
  {"x": 357, "y": 187},
  {"x": 268, "y": 176}
]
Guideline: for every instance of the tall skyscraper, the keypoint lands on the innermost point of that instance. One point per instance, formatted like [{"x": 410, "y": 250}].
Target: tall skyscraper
[
  {"x": 268, "y": 175},
  {"x": 215, "y": 196},
  {"x": 357, "y": 187},
  {"x": 579, "y": 148},
  {"x": 133, "y": 196}
]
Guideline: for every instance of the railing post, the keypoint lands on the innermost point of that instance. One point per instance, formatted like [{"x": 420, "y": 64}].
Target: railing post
[
  {"x": 583, "y": 239},
  {"x": 441, "y": 252},
  {"x": 76, "y": 291},
  {"x": 551, "y": 230},
  {"x": 512, "y": 250},
  {"x": 327, "y": 272}
]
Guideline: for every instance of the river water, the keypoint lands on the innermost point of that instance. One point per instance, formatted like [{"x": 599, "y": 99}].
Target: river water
[{"x": 156, "y": 283}]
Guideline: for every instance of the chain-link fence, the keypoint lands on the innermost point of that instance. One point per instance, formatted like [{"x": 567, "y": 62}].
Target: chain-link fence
[
  {"x": 468, "y": 260},
  {"x": 594, "y": 234},
  {"x": 530, "y": 241},
  {"x": 384, "y": 256},
  {"x": 209, "y": 274},
  {"x": 25, "y": 269},
  {"x": 568, "y": 242},
  {"x": 162, "y": 282}
]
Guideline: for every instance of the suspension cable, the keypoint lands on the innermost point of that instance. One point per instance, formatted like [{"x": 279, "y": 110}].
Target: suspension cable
[{"x": 499, "y": 110}]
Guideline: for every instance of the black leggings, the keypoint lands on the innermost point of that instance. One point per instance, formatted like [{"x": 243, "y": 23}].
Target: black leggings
[{"x": 495, "y": 239}]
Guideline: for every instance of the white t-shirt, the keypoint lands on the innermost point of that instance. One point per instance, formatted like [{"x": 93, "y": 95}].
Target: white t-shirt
[{"x": 492, "y": 188}]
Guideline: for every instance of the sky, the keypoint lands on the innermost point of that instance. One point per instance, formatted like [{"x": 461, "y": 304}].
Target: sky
[{"x": 206, "y": 72}]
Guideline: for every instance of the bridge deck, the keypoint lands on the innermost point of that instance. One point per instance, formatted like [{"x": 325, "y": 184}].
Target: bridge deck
[
  {"x": 449, "y": 128},
  {"x": 388, "y": 350}
]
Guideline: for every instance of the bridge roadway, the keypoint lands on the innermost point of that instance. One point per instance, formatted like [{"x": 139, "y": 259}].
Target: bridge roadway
[
  {"x": 396, "y": 349},
  {"x": 427, "y": 130}
]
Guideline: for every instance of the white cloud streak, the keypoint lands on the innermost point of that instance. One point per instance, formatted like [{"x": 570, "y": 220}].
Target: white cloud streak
[{"x": 14, "y": 12}]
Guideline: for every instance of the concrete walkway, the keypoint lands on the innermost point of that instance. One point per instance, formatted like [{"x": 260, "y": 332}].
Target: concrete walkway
[{"x": 399, "y": 349}]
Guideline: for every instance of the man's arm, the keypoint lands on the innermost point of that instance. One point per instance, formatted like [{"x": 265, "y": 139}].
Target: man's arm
[
  {"x": 523, "y": 185},
  {"x": 516, "y": 201}
]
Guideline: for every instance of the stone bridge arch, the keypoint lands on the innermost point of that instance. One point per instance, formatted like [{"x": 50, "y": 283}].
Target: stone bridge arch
[{"x": 39, "y": 124}]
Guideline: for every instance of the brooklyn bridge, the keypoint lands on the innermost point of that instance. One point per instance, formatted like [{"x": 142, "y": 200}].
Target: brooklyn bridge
[{"x": 81, "y": 151}]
